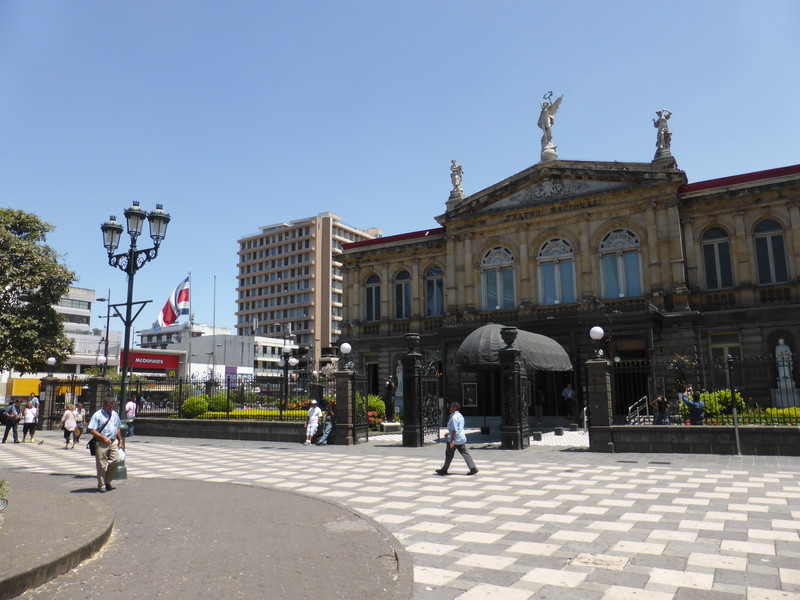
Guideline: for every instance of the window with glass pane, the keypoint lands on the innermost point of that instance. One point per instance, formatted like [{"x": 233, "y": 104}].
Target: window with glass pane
[
  {"x": 717, "y": 259},
  {"x": 434, "y": 292},
  {"x": 373, "y": 299},
  {"x": 497, "y": 278},
  {"x": 402, "y": 295},
  {"x": 621, "y": 264},
  {"x": 556, "y": 272},
  {"x": 770, "y": 252}
]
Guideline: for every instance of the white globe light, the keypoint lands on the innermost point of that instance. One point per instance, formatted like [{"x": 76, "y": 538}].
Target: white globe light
[
  {"x": 345, "y": 348},
  {"x": 287, "y": 350},
  {"x": 293, "y": 361},
  {"x": 596, "y": 333},
  {"x": 281, "y": 362},
  {"x": 101, "y": 360},
  {"x": 51, "y": 361}
]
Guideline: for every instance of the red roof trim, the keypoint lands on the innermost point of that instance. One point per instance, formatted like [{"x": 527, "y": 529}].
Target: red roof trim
[
  {"x": 738, "y": 179},
  {"x": 394, "y": 238}
]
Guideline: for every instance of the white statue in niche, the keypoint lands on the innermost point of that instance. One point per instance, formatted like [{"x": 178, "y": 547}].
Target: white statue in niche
[{"x": 783, "y": 360}]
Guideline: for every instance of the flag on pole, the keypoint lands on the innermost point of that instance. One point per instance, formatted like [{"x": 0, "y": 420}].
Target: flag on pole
[{"x": 177, "y": 305}]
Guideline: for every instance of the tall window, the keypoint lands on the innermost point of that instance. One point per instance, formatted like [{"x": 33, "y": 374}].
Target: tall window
[
  {"x": 620, "y": 265},
  {"x": 402, "y": 295},
  {"x": 434, "y": 292},
  {"x": 373, "y": 300},
  {"x": 770, "y": 253},
  {"x": 497, "y": 278},
  {"x": 717, "y": 259},
  {"x": 556, "y": 272}
]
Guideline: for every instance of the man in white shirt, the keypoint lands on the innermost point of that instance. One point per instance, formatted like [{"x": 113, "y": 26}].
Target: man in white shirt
[{"x": 312, "y": 422}]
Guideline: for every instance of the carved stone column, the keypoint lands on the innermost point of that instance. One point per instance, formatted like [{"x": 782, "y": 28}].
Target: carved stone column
[
  {"x": 514, "y": 431},
  {"x": 601, "y": 409},
  {"x": 413, "y": 434},
  {"x": 345, "y": 428}
]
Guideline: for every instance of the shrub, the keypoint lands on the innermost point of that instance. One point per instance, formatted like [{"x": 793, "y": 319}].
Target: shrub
[
  {"x": 194, "y": 406},
  {"x": 181, "y": 392},
  {"x": 718, "y": 403},
  {"x": 220, "y": 403}
]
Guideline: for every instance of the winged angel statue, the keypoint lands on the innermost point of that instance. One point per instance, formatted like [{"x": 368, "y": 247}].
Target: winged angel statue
[{"x": 546, "y": 119}]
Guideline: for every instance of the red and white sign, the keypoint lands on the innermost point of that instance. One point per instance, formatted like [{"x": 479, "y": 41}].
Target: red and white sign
[{"x": 147, "y": 361}]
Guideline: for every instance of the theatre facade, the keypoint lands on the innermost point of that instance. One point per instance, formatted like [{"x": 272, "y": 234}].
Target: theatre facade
[{"x": 671, "y": 270}]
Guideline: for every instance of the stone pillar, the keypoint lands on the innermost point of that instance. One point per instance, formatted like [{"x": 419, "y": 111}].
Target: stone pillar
[
  {"x": 47, "y": 399},
  {"x": 514, "y": 432},
  {"x": 601, "y": 408},
  {"x": 413, "y": 434},
  {"x": 345, "y": 429},
  {"x": 99, "y": 390}
]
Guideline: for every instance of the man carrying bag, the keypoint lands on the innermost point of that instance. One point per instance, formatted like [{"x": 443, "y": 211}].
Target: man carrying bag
[{"x": 107, "y": 438}]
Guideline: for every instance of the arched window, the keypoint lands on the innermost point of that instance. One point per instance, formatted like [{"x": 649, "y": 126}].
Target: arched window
[
  {"x": 717, "y": 259},
  {"x": 434, "y": 292},
  {"x": 497, "y": 278},
  {"x": 402, "y": 295},
  {"x": 620, "y": 265},
  {"x": 770, "y": 253},
  {"x": 373, "y": 299},
  {"x": 556, "y": 266}
]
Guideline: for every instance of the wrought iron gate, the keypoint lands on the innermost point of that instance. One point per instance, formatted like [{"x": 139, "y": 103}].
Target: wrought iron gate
[{"x": 430, "y": 400}]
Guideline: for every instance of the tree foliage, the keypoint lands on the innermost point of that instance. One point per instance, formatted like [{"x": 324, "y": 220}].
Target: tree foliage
[{"x": 32, "y": 280}]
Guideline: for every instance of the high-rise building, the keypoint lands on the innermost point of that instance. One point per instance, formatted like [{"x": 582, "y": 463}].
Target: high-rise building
[{"x": 290, "y": 281}]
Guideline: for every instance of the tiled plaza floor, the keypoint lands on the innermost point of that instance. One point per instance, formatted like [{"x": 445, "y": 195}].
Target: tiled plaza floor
[{"x": 552, "y": 521}]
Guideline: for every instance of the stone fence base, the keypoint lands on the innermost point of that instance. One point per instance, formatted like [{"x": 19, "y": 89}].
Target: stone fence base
[
  {"x": 682, "y": 439},
  {"x": 262, "y": 431}
]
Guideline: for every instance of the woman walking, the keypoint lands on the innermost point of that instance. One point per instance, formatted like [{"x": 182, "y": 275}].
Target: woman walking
[
  {"x": 68, "y": 424},
  {"x": 80, "y": 420},
  {"x": 29, "y": 415}
]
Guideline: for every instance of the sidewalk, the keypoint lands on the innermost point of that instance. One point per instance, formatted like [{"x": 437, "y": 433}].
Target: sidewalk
[
  {"x": 196, "y": 539},
  {"x": 546, "y": 522}
]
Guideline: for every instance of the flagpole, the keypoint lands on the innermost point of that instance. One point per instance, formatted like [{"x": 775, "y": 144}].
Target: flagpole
[{"x": 191, "y": 334}]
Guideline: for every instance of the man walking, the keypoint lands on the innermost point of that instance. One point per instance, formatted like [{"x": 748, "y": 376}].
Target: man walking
[
  {"x": 458, "y": 441},
  {"x": 13, "y": 415},
  {"x": 104, "y": 427},
  {"x": 130, "y": 414}
]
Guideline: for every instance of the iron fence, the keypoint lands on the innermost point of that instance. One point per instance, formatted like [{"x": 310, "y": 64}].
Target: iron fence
[
  {"x": 759, "y": 396},
  {"x": 237, "y": 398}
]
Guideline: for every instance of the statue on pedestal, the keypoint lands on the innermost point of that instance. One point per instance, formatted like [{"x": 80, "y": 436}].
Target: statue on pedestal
[
  {"x": 664, "y": 137},
  {"x": 783, "y": 360},
  {"x": 456, "y": 171},
  {"x": 547, "y": 117}
]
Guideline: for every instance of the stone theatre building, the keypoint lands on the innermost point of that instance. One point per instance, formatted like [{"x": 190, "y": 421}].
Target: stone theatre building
[{"x": 664, "y": 266}]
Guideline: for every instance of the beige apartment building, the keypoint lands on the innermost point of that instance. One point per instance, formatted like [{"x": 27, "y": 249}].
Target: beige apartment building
[{"x": 290, "y": 282}]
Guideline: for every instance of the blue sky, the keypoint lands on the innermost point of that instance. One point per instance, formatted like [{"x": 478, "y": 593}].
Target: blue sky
[{"x": 244, "y": 113}]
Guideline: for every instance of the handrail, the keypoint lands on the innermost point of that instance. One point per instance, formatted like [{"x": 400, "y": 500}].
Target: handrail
[{"x": 635, "y": 410}]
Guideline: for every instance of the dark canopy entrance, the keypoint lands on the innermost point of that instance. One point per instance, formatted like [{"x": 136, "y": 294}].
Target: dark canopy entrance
[
  {"x": 478, "y": 356},
  {"x": 480, "y": 350}
]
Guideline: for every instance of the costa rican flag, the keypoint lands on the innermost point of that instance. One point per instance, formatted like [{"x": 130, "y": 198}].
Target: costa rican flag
[{"x": 177, "y": 305}]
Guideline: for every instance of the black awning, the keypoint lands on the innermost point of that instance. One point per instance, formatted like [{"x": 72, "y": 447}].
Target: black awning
[{"x": 479, "y": 350}]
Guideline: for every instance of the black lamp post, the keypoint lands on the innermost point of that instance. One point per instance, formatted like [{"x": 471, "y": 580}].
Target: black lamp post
[
  {"x": 286, "y": 361},
  {"x": 107, "y": 300},
  {"x": 131, "y": 261}
]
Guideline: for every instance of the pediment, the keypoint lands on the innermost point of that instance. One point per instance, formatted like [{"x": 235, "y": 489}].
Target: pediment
[{"x": 560, "y": 182}]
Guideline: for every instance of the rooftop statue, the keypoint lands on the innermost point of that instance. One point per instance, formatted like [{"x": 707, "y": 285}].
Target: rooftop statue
[
  {"x": 664, "y": 138},
  {"x": 456, "y": 171},
  {"x": 547, "y": 117}
]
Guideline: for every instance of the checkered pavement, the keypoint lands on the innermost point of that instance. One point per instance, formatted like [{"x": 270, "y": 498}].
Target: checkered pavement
[{"x": 541, "y": 523}]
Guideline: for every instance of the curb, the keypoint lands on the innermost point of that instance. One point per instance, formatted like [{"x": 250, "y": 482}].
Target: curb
[{"x": 19, "y": 573}]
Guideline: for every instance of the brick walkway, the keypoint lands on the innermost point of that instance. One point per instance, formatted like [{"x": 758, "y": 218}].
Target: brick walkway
[{"x": 553, "y": 521}]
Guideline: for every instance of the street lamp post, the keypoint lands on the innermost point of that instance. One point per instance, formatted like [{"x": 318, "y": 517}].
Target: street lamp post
[
  {"x": 107, "y": 300},
  {"x": 286, "y": 361},
  {"x": 130, "y": 262}
]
